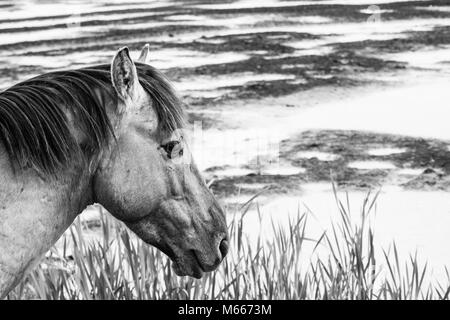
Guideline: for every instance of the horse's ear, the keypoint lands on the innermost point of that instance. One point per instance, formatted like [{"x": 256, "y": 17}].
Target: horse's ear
[
  {"x": 145, "y": 54},
  {"x": 124, "y": 75}
]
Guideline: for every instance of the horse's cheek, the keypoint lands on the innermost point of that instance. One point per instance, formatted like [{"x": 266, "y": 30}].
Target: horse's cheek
[{"x": 131, "y": 184}]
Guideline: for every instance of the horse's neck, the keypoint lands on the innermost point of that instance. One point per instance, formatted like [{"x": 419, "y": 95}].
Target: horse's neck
[{"x": 33, "y": 215}]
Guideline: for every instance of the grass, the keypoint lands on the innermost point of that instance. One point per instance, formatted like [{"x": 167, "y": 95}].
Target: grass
[{"x": 119, "y": 266}]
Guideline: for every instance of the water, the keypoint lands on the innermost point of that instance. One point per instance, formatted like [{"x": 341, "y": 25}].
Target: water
[
  {"x": 411, "y": 219},
  {"x": 315, "y": 154},
  {"x": 385, "y": 151}
]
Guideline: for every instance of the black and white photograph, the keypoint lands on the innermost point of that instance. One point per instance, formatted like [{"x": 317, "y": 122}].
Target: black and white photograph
[{"x": 224, "y": 150}]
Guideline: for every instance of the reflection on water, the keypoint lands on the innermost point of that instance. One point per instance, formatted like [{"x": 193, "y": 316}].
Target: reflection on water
[{"x": 413, "y": 219}]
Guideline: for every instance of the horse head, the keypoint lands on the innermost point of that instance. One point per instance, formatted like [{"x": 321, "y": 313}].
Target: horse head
[{"x": 148, "y": 178}]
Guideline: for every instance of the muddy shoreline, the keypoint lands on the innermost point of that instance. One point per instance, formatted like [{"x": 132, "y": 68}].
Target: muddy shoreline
[{"x": 282, "y": 50}]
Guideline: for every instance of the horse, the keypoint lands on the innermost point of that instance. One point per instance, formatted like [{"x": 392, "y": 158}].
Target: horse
[{"x": 107, "y": 134}]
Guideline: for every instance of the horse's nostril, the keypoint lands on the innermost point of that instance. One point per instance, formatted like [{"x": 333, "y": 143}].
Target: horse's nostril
[{"x": 223, "y": 247}]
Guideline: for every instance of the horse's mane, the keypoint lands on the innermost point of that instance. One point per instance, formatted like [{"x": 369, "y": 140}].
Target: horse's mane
[{"x": 35, "y": 129}]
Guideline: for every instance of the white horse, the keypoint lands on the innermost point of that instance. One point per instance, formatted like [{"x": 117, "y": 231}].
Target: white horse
[{"x": 72, "y": 138}]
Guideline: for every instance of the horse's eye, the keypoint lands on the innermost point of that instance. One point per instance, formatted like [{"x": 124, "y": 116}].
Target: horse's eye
[{"x": 173, "y": 149}]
